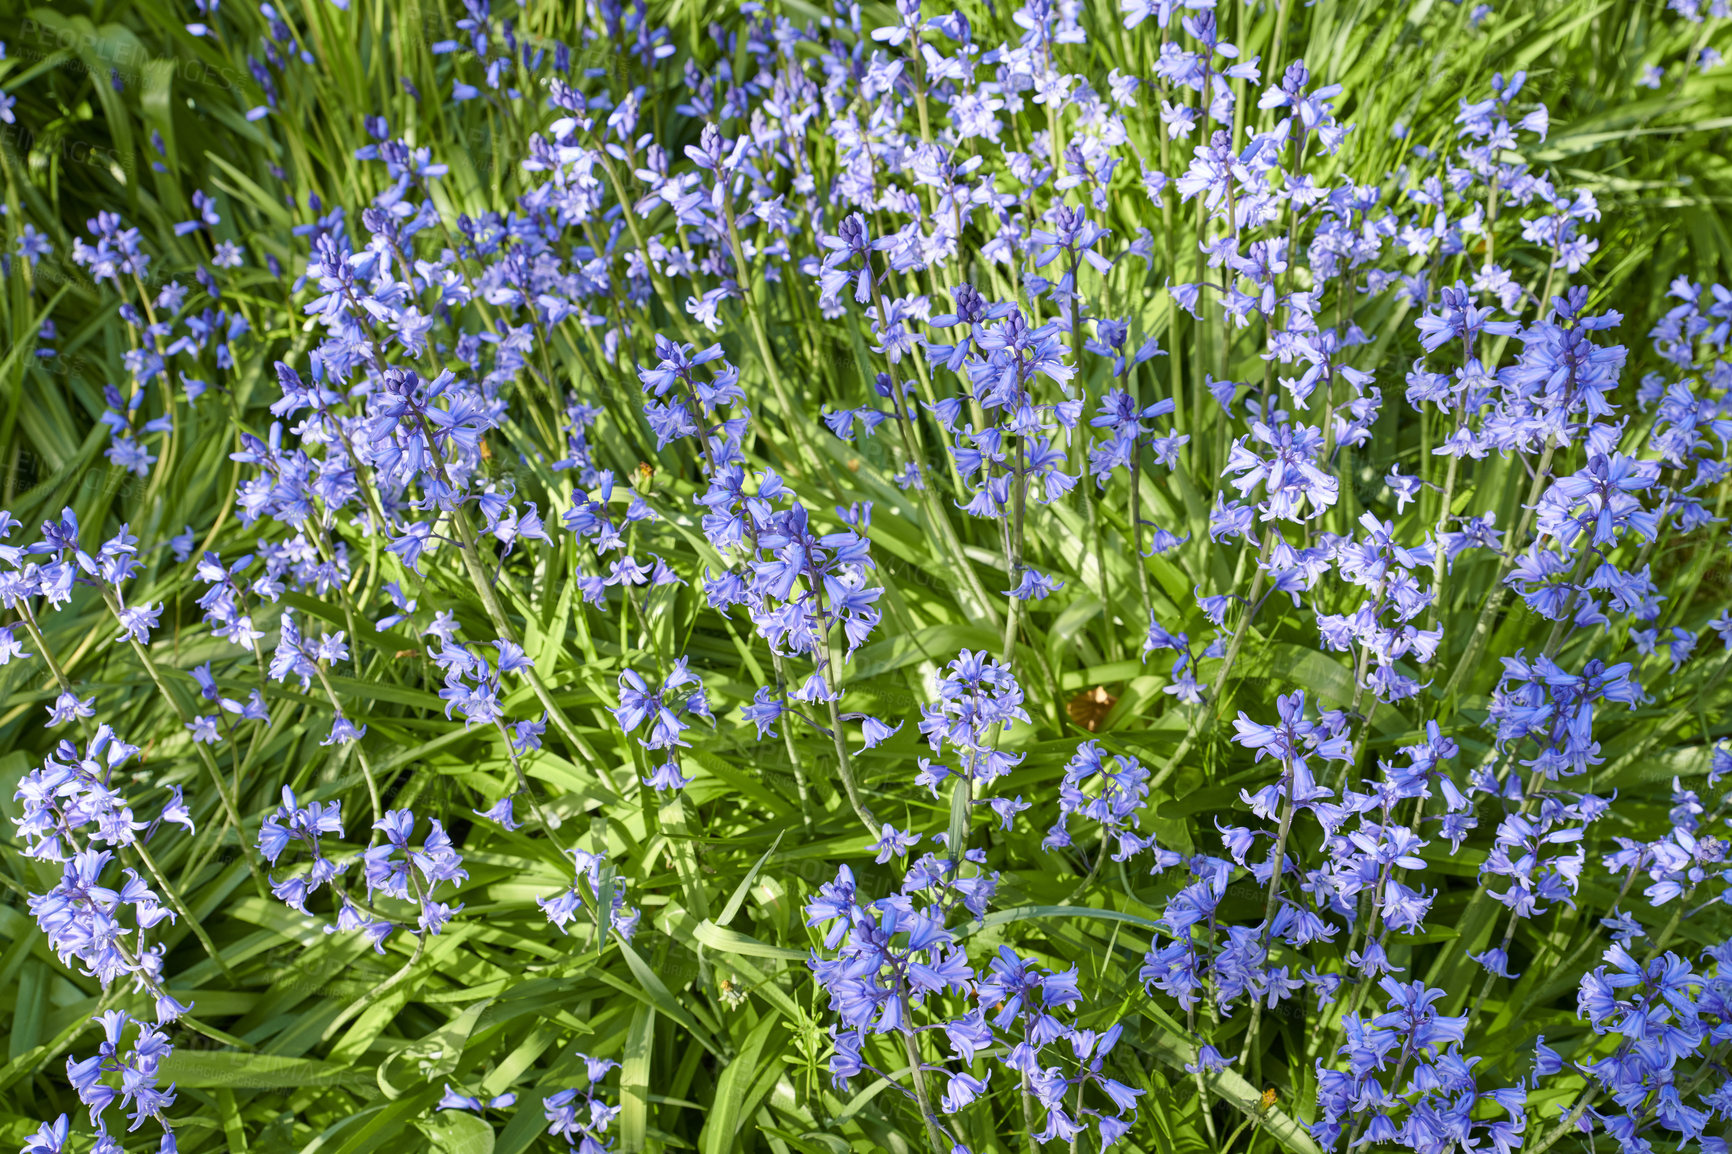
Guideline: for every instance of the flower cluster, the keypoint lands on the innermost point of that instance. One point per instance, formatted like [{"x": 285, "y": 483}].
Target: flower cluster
[
  {"x": 785, "y": 316},
  {"x": 72, "y": 814},
  {"x": 582, "y": 1117}
]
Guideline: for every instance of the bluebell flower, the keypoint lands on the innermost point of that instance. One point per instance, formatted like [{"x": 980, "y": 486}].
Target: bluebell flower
[
  {"x": 663, "y": 712},
  {"x": 455, "y": 1101},
  {"x": 582, "y": 1117}
]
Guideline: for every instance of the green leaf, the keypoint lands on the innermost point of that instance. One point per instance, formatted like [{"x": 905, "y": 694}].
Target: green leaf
[
  {"x": 721, "y": 1129},
  {"x": 650, "y": 989},
  {"x": 935, "y": 643},
  {"x": 1175, "y": 1050},
  {"x": 206, "y": 1069},
  {"x": 740, "y": 891},
  {"x": 742, "y": 945},
  {"x": 1037, "y": 913},
  {"x": 458, "y": 1132},
  {"x": 634, "y": 1080}
]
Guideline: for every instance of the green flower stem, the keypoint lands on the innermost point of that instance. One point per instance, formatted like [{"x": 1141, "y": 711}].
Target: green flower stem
[
  {"x": 923, "y": 1097},
  {"x": 192, "y": 923},
  {"x": 985, "y": 604},
  {"x": 360, "y": 754},
  {"x": 832, "y": 680},
  {"x": 794, "y": 759},
  {"x": 1269, "y": 904},
  {"x": 1207, "y": 713},
  {"x": 496, "y": 614},
  {"x": 1512, "y": 546},
  {"x": 199, "y": 748}
]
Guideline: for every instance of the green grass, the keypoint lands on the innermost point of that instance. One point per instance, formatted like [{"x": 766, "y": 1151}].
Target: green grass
[{"x": 711, "y": 1010}]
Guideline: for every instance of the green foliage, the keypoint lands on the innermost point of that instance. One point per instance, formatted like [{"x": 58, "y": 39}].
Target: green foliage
[{"x": 308, "y": 1042}]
